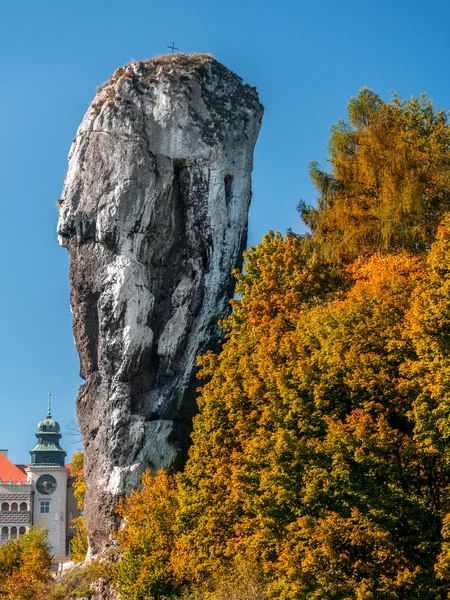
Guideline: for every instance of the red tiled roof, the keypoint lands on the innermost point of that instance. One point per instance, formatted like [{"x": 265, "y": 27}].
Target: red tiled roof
[{"x": 9, "y": 472}]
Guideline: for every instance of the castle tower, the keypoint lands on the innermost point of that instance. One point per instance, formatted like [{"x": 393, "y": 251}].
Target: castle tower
[{"x": 48, "y": 477}]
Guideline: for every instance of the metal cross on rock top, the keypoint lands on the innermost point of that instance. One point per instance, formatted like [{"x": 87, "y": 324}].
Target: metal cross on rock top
[{"x": 172, "y": 47}]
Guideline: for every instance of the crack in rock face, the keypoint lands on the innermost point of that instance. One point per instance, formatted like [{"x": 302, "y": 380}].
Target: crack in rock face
[{"x": 154, "y": 215}]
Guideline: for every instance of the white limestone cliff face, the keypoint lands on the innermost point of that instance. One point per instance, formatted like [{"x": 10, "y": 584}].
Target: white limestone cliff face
[{"x": 154, "y": 216}]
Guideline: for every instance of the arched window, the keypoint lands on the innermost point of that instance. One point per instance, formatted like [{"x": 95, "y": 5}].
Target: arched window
[
  {"x": 13, "y": 532},
  {"x": 5, "y": 506},
  {"x": 14, "y": 506},
  {"x": 23, "y": 506},
  {"x": 22, "y": 530},
  {"x": 5, "y": 533}
]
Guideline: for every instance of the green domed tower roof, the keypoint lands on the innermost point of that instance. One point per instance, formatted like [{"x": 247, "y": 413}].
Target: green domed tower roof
[
  {"x": 47, "y": 451},
  {"x": 48, "y": 425}
]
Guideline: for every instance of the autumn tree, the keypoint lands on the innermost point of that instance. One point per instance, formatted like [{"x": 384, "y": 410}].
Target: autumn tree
[
  {"x": 305, "y": 454},
  {"x": 147, "y": 540},
  {"x": 389, "y": 184},
  {"x": 79, "y": 543},
  {"x": 429, "y": 328},
  {"x": 282, "y": 281},
  {"x": 24, "y": 567}
]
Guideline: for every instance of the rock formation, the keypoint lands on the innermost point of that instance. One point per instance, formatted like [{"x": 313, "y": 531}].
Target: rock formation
[{"x": 154, "y": 216}]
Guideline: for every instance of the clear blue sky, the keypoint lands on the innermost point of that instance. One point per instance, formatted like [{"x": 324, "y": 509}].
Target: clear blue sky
[{"x": 306, "y": 59}]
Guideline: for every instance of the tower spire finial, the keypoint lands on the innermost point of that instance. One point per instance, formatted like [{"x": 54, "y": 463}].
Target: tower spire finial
[{"x": 49, "y": 411}]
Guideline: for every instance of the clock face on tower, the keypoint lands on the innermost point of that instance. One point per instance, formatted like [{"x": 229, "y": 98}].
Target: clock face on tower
[{"x": 46, "y": 484}]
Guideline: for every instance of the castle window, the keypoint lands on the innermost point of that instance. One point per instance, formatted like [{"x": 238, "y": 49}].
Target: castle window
[
  {"x": 14, "y": 506},
  {"x": 22, "y": 530},
  {"x": 45, "y": 506},
  {"x": 13, "y": 532},
  {"x": 23, "y": 506},
  {"x": 5, "y": 506},
  {"x": 5, "y": 533}
]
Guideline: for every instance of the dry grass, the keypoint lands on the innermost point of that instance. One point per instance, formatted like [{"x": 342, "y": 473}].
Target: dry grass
[
  {"x": 148, "y": 67},
  {"x": 194, "y": 59},
  {"x": 144, "y": 72}
]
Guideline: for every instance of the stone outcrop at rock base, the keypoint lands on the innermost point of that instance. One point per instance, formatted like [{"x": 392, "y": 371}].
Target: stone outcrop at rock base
[{"x": 154, "y": 216}]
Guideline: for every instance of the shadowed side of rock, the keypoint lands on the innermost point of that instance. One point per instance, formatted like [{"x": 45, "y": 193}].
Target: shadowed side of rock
[{"x": 154, "y": 216}]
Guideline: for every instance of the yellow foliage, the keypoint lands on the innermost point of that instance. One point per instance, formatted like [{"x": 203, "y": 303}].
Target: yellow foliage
[
  {"x": 28, "y": 578},
  {"x": 147, "y": 539},
  {"x": 304, "y": 444},
  {"x": 79, "y": 543},
  {"x": 79, "y": 485},
  {"x": 388, "y": 187}
]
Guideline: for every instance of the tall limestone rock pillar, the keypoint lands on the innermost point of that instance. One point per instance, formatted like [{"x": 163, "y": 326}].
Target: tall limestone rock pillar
[{"x": 154, "y": 216}]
